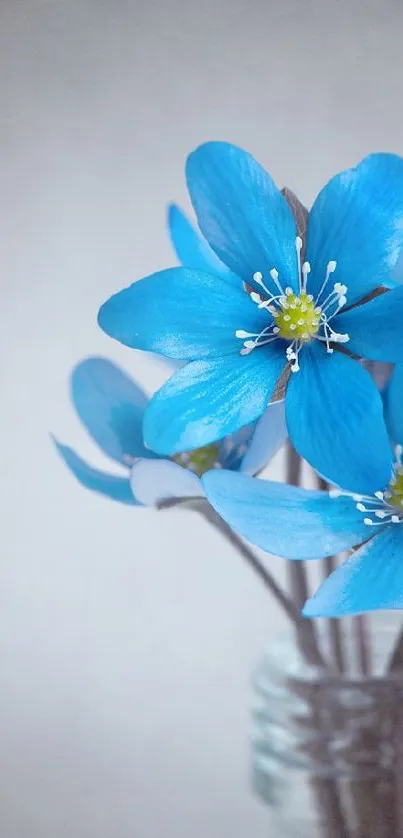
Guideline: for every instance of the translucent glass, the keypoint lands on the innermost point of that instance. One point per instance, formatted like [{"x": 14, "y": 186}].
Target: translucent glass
[{"x": 327, "y": 747}]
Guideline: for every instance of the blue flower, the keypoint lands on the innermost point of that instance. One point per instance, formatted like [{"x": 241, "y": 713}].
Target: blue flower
[
  {"x": 111, "y": 407},
  {"x": 298, "y": 523},
  {"x": 283, "y": 306}
]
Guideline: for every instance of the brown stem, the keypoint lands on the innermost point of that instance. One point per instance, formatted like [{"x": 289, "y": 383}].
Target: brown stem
[
  {"x": 297, "y": 574},
  {"x": 329, "y": 564},
  {"x": 335, "y": 627},
  {"x": 363, "y": 644},
  {"x": 396, "y": 658},
  {"x": 311, "y": 650}
]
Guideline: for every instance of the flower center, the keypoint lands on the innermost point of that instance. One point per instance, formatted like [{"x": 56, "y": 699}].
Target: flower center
[
  {"x": 382, "y": 507},
  {"x": 200, "y": 460},
  {"x": 296, "y": 318},
  {"x": 394, "y": 494}
]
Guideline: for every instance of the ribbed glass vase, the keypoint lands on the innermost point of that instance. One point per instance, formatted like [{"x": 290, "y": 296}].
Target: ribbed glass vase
[{"x": 327, "y": 753}]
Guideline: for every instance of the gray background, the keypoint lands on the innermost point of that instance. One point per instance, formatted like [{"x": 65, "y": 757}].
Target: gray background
[{"x": 127, "y": 637}]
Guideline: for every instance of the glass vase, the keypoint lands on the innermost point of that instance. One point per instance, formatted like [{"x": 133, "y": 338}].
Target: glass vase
[{"x": 327, "y": 747}]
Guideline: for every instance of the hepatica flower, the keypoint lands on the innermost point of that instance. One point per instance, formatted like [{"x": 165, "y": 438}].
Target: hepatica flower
[
  {"x": 290, "y": 308},
  {"x": 299, "y": 523},
  {"x": 111, "y": 406}
]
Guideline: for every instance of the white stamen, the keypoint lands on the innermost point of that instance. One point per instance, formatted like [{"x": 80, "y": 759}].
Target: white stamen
[
  {"x": 274, "y": 275},
  {"x": 298, "y": 246},
  {"x": 306, "y": 269},
  {"x": 240, "y": 333},
  {"x": 330, "y": 269},
  {"x": 307, "y": 327},
  {"x": 255, "y": 297}
]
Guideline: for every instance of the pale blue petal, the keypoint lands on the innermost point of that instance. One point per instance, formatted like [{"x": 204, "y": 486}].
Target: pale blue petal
[
  {"x": 153, "y": 481},
  {"x": 241, "y": 212},
  {"x": 233, "y": 448},
  {"x": 115, "y": 488},
  {"x": 335, "y": 420},
  {"x": 285, "y": 520},
  {"x": 394, "y": 405},
  {"x": 269, "y": 435},
  {"x": 192, "y": 249},
  {"x": 208, "y": 400},
  {"x": 357, "y": 221},
  {"x": 370, "y": 579},
  {"x": 183, "y": 314},
  {"x": 375, "y": 328},
  {"x": 111, "y": 406}
]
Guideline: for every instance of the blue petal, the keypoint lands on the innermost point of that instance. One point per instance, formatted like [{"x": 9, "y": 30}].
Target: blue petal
[
  {"x": 182, "y": 314},
  {"x": 192, "y": 249},
  {"x": 207, "y": 400},
  {"x": 357, "y": 220},
  {"x": 375, "y": 328},
  {"x": 393, "y": 398},
  {"x": 153, "y": 481},
  {"x": 284, "y": 520},
  {"x": 270, "y": 434},
  {"x": 234, "y": 447},
  {"x": 335, "y": 420},
  {"x": 116, "y": 488},
  {"x": 241, "y": 212},
  {"x": 111, "y": 406},
  {"x": 369, "y": 580}
]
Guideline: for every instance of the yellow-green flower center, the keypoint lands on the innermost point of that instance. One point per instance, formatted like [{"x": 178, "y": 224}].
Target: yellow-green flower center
[
  {"x": 395, "y": 494},
  {"x": 200, "y": 460},
  {"x": 297, "y": 317}
]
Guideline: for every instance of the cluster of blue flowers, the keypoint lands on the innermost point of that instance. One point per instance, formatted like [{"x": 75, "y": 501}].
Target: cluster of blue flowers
[{"x": 270, "y": 323}]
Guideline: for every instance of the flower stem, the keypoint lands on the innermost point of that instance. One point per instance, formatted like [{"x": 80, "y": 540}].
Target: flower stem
[
  {"x": 297, "y": 573},
  {"x": 329, "y": 564},
  {"x": 311, "y": 650},
  {"x": 396, "y": 658},
  {"x": 363, "y": 643}
]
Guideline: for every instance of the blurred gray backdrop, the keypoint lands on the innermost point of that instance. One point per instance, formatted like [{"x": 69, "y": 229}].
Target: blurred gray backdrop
[{"x": 127, "y": 637}]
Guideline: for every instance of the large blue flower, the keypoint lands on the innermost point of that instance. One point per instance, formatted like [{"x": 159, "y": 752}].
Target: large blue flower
[
  {"x": 300, "y": 523},
  {"x": 283, "y": 304},
  {"x": 111, "y": 407}
]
